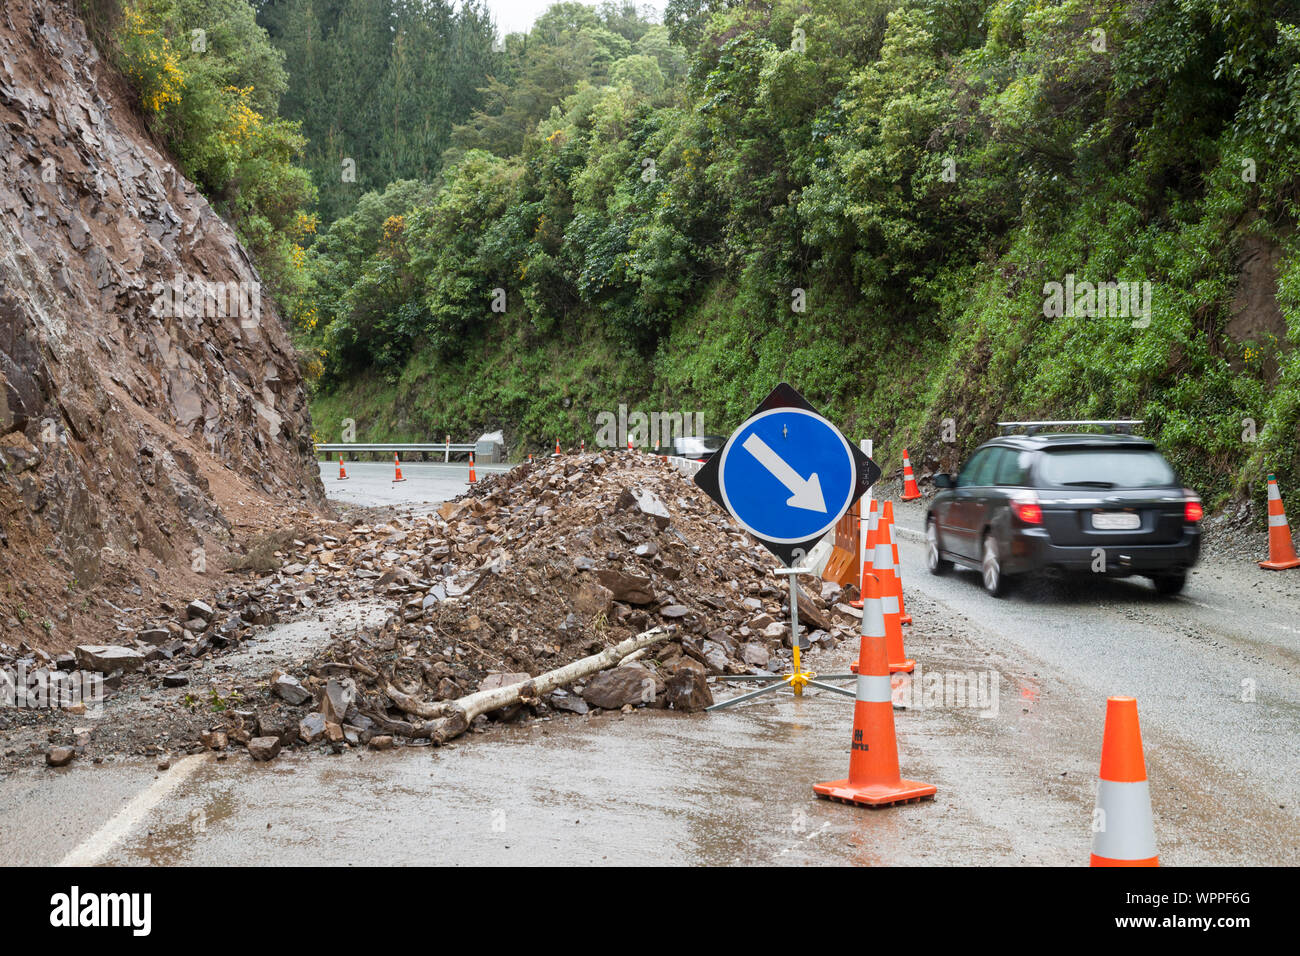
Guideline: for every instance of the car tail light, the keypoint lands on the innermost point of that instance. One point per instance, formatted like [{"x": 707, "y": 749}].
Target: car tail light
[
  {"x": 1193, "y": 510},
  {"x": 1025, "y": 506}
]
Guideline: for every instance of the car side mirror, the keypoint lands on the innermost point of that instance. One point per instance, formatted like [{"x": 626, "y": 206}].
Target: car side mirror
[{"x": 943, "y": 480}]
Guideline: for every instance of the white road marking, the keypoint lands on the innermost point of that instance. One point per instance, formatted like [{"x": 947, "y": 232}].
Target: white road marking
[{"x": 93, "y": 849}]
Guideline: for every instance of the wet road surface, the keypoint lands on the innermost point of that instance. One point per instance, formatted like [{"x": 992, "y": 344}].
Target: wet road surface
[{"x": 427, "y": 484}]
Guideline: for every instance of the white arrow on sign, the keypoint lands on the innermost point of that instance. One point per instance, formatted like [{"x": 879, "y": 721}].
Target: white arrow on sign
[{"x": 806, "y": 494}]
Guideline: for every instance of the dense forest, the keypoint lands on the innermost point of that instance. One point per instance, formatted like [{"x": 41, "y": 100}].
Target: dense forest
[{"x": 879, "y": 201}]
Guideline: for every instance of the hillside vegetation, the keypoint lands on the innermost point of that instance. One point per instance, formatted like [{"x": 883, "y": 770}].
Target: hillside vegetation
[{"x": 871, "y": 199}]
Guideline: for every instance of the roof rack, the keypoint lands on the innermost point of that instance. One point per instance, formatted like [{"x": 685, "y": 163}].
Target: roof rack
[{"x": 1120, "y": 426}]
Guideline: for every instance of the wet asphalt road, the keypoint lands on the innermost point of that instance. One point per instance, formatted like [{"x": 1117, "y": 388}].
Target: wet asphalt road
[
  {"x": 427, "y": 484},
  {"x": 1016, "y": 780}
]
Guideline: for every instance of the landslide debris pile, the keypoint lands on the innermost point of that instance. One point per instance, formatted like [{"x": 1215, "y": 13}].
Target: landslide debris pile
[
  {"x": 529, "y": 571},
  {"x": 532, "y": 570}
]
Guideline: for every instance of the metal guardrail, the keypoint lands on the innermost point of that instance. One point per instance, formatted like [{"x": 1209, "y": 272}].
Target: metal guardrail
[{"x": 423, "y": 449}]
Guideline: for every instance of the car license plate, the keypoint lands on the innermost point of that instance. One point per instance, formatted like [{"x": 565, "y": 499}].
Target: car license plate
[{"x": 1116, "y": 521}]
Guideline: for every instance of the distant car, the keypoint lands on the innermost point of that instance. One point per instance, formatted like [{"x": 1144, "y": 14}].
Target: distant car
[
  {"x": 696, "y": 449},
  {"x": 1100, "y": 503}
]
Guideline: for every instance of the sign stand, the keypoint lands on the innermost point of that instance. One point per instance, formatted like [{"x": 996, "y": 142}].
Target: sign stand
[
  {"x": 798, "y": 678},
  {"x": 787, "y": 475}
]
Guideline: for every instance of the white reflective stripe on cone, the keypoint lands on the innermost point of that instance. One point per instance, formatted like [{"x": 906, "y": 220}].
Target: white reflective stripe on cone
[
  {"x": 1272, "y": 492},
  {"x": 873, "y": 624},
  {"x": 1276, "y": 521},
  {"x": 1129, "y": 832},
  {"x": 891, "y": 604},
  {"x": 874, "y": 689}
]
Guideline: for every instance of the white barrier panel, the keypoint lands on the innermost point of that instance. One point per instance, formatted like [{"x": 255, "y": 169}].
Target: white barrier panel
[{"x": 686, "y": 466}]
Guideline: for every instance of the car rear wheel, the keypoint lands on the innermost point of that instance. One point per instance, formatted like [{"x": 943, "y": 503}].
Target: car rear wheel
[
  {"x": 934, "y": 559},
  {"x": 1171, "y": 583},
  {"x": 995, "y": 583}
]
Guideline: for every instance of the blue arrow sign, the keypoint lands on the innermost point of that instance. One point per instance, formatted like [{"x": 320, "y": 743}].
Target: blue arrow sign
[{"x": 787, "y": 475}]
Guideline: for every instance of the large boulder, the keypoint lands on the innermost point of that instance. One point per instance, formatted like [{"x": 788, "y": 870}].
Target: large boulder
[
  {"x": 264, "y": 748},
  {"x": 106, "y": 658},
  {"x": 593, "y": 599},
  {"x": 615, "y": 688},
  {"x": 628, "y": 588},
  {"x": 688, "y": 690}
]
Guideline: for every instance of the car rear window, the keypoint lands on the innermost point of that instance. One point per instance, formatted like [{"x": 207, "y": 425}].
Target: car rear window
[
  {"x": 979, "y": 469},
  {"x": 1105, "y": 468},
  {"x": 1013, "y": 468}
]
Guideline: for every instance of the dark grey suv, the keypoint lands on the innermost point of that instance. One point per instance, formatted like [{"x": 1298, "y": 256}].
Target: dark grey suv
[{"x": 1100, "y": 503}]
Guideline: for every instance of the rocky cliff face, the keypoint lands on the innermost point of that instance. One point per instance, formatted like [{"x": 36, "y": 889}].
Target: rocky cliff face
[{"x": 150, "y": 400}]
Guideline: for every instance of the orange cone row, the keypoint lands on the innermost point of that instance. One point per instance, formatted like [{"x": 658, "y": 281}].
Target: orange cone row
[
  {"x": 1281, "y": 552},
  {"x": 874, "y": 779},
  {"x": 873, "y": 523},
  {"x": 884, "y": 567}
]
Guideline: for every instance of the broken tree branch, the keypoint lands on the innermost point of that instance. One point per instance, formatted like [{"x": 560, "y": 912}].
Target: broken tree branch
[{"x": 451, "y": 718}]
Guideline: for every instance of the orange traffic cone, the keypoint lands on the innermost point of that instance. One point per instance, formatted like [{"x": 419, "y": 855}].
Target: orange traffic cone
[
  {"x": 584, "y": 446},
  {"x": 629, "y": 442},
  {"x": 1281, "y": 552},
  {"x": 343, "y": 475},
  {"x": 910, "y": 491},
  {"x": 472, "y": 477},
  {"x": 530, "y": 458},
  {"x": 397, "y": 464},
  {"x": 884, "y": 569},
  {"x": 557, "y": 446},
  {"x": 873, "y": 519},
  {"x": 1123, "y": 830},
  {"x": 888, "y": 517},
  {"x": 874, "y": 779}
]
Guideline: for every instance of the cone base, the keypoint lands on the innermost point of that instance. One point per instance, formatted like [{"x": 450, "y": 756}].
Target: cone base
[
  {"x": 905, "y": 619},
  {"x": 343, "y": 478},
  {"x": 911, "y": 497},
  {"x": 1280, "y": 565},
  {"x": 1107, "y": 861},
  {"x": 396, "y": 480},
  {"x": 875, "y": 794}
]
